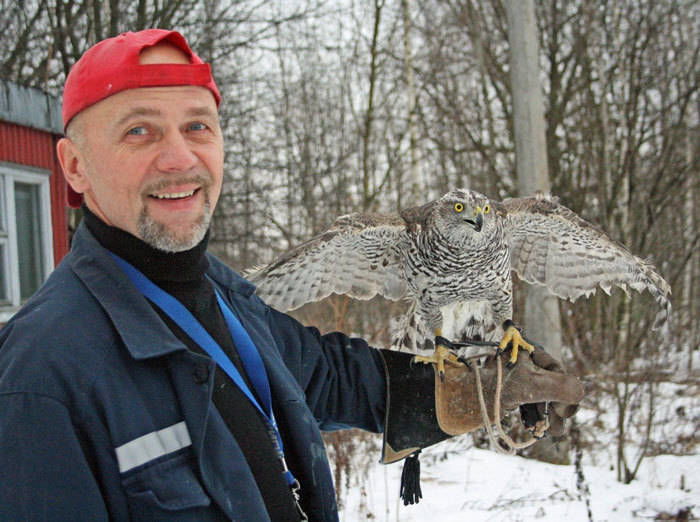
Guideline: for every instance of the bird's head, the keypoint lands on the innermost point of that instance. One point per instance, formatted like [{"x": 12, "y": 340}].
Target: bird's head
[
  {"x": 463, "y": 216},
  {"x": 466, "y": 217}
]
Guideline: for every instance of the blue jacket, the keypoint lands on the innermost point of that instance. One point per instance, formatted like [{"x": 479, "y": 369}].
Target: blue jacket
[{"x": 104, "y": 414}]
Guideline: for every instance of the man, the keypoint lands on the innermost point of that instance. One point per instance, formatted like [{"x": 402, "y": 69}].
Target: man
[{"x": 118, "y": 401}]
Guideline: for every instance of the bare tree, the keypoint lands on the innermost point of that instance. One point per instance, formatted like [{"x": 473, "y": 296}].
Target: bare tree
[{"x": 332, "y": 108}]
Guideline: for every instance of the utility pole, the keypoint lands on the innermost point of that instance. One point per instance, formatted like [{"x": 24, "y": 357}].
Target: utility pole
[{"x": 541, "y": 320}]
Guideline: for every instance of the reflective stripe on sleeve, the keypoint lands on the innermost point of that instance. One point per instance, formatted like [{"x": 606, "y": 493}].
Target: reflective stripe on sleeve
[{"x": 152, "y": 445}]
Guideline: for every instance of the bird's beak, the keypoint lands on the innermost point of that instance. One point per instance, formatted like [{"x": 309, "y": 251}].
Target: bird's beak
[{"x": 479, "y": 221}]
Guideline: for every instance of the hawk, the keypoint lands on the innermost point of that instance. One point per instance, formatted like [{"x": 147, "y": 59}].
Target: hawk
[{"x": 452, "y": 259}]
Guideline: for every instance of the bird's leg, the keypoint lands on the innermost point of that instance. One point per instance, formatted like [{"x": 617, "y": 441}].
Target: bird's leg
[
  {"x": 513, "y": 337},
  {"x": 441, "y": 355}
]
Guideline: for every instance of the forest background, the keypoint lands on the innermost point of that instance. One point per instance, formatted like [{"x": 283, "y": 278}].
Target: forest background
[{"x": 359, "y": 105}]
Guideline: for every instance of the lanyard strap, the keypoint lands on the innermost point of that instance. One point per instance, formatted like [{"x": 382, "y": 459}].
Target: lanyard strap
[{"x": 247, "y": 351}]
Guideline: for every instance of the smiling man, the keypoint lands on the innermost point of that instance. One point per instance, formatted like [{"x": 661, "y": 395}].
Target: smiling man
[
  {"x": 145, "y": 380},
  {"x": 166, "y": 142}
]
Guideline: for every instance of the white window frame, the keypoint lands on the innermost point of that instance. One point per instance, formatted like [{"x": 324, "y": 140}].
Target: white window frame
[{"x": 9, "y": 175}]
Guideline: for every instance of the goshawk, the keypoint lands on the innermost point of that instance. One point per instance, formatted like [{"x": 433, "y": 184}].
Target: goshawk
[{"x": 452, "y": 258}]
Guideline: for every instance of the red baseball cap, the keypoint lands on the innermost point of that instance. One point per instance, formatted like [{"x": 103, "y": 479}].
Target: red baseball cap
[{"x": 112, "y": 65}]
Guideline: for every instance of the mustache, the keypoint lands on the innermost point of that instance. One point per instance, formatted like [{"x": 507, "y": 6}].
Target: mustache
[{"x": 197, "y": 179}]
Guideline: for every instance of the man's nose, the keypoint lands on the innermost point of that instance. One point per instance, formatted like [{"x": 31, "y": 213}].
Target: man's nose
[{"x": 176, "y": 154}]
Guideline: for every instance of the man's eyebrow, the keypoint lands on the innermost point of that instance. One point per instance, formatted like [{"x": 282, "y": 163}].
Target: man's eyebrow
[
  {"x": 201, "y": 111},
  {"x": 136, "y": 112},
  {"x": 147, "y": 111}
]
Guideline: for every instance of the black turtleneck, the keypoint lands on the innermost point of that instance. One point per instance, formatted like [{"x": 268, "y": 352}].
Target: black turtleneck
[{"x": 183, "y": 275}]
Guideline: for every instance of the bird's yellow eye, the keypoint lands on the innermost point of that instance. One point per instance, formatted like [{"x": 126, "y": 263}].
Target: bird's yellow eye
[
  {"x": 487, "y": 209},
  {"x": 459, "y": 207}
]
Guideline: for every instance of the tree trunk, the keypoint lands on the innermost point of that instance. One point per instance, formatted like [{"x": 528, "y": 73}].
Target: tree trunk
[
  {"x": 689, "y": 298},
  {"x": 411, "y": 188}
]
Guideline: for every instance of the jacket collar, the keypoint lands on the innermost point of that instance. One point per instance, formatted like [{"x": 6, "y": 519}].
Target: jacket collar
[
  {"x": 143, "y": 332},
  {"x": 227, "y": 278}
]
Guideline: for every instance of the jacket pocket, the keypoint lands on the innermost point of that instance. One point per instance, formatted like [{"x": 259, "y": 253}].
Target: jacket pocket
[{"x": 164, "y": 485}]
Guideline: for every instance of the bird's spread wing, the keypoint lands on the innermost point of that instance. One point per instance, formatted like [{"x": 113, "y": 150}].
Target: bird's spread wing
[
  {"x": 357, "y": 256},
  {"x": 553, "y": 246}
]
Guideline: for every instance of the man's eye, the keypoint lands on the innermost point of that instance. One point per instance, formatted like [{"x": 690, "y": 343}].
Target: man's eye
[
  {"x": 137, "y": 131},
  {"x": 197, "y": 126}
]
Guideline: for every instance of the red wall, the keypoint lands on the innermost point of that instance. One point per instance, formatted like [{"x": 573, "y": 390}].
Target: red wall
[{"x": 38, "y": 149}]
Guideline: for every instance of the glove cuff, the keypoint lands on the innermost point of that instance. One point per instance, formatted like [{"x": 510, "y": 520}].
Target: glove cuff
[{"x": 410, "y": 421}]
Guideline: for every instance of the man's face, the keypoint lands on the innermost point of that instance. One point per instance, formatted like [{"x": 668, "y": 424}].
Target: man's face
[{"x": 150, "y": 161}]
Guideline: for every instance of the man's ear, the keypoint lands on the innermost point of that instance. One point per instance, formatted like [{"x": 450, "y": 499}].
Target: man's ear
[{"x": 73, "y": 163}]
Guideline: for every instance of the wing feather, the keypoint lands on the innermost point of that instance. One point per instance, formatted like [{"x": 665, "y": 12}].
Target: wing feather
[
  {"x": 358, "y": 256},
  {"x": 553, "y": 246}
]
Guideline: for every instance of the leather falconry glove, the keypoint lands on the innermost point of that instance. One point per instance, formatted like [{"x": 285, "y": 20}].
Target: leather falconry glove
[{"x": 423, "y": 409}]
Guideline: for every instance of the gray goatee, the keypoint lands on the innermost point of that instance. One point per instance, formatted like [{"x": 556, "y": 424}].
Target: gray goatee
[{"x": 159, "y": 236}]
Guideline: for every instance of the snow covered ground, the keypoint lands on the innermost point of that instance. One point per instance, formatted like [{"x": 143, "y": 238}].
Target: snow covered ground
[
  {"x": 463, "y": 483},
  {"x": 482, "y": 485}
]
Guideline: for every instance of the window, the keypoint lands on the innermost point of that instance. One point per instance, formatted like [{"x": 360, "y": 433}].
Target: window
[{"x": 26, "y": 249}]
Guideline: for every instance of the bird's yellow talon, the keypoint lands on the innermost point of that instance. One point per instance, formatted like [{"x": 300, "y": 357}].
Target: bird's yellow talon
[
  {"x": 440, "y": 356},
  {"x": 512, "y": 335}
]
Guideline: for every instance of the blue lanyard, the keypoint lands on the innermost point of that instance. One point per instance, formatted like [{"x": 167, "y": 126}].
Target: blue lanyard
[{"x": 247, "y": 351}]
